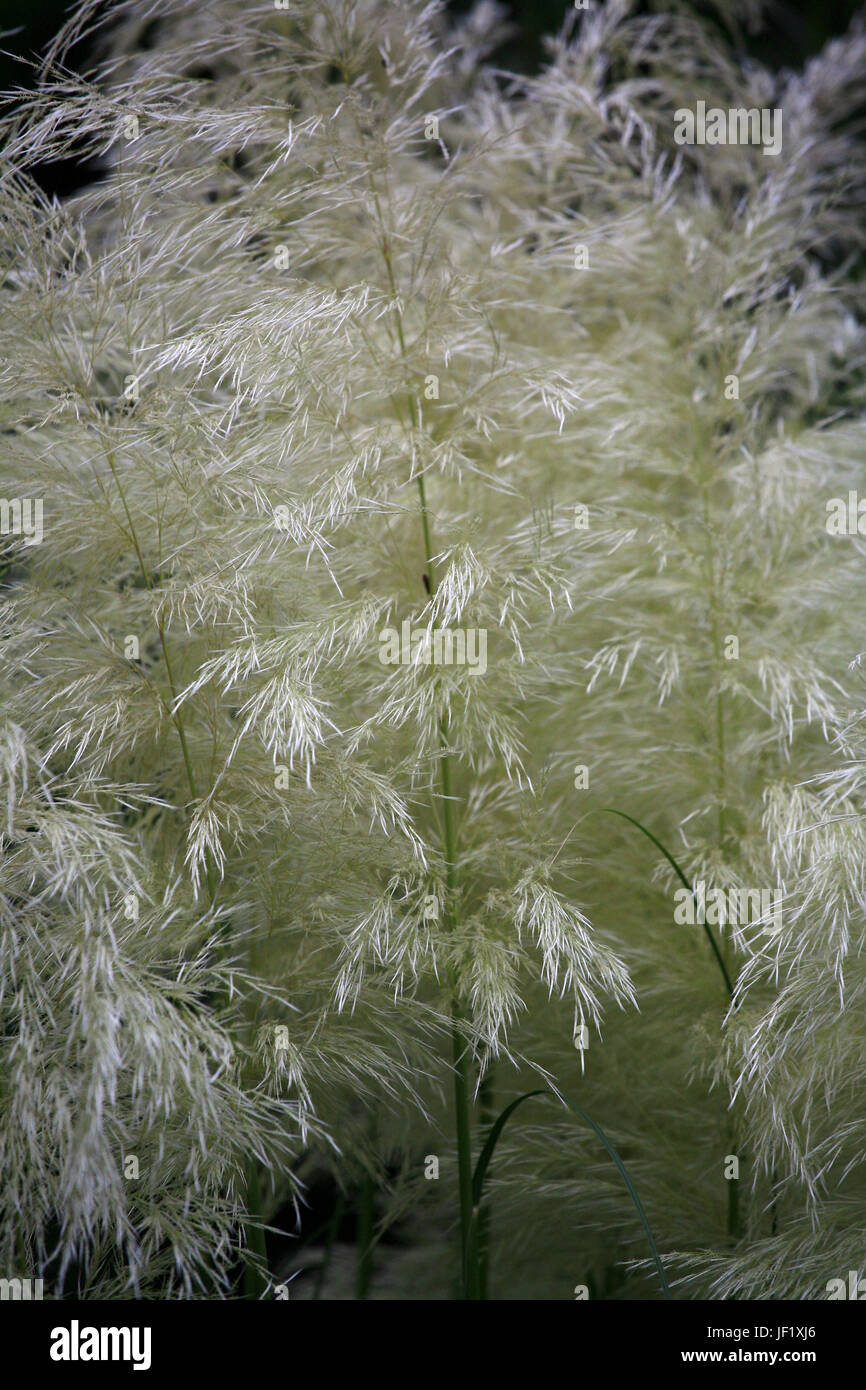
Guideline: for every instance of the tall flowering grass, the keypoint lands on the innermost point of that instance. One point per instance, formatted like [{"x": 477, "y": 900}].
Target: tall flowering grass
[{"x": 357, "y": 339}]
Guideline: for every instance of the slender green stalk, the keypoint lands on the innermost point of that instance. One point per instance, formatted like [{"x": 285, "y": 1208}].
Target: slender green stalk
[
  {"x": 364, "y": 1236},
  {"x": 174, "y": 714},
  {"x": 733, "y": 1218},
  {"x": 486, "y": 1105},
  {"x": 462, "y": 1101},
  {"x": 462, "y": 1086},
  {"x": 333, "y": 1228},
  {"x": 733, "y": 1209},
  {"x": 23, "y": 1254},
  {"x": 255, "y": 1280}
]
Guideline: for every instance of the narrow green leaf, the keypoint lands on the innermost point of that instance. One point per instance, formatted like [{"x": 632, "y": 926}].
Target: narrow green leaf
[
  {"x": 490, "y": 1144},
  {"x": 623, "y": 1171},
  {"x": 493, "y": 1138},
  {"x": 609, "y": 810}
]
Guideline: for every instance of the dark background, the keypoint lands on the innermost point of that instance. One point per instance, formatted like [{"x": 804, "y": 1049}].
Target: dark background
[{"x": 791, "y": 33}]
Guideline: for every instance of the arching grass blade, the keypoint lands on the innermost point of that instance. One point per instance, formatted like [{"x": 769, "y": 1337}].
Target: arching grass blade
[
  {"x": 609, "y": 810},
  {"x": 487, "y": 1153}
]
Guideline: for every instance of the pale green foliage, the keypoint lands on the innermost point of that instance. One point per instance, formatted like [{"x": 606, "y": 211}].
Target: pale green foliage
[{"x": 218, "y": 370}]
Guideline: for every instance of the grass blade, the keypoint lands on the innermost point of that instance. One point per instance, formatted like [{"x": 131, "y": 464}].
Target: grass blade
[
  {"x": 609, "y": 810},
  {"x": 490, "y": 1144},
  {"x": 632, "y": 1192},
  {"x": 493, "y": 1138}
]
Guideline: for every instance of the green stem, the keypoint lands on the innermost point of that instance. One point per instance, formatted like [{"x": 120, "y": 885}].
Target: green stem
[
  {"x": 364, "y": 1241},
  {"x": 24, "y": 1268},
  {"x": 733, "y": 1221},
  {"x": 486, "y": 1106},
  {"x": 332, "y": 1233},
  {"x": 733, "y": 1209},
  {"x": 462, "y": 1101},
  {"x": 462, "y": 1109},
  {"x": 174, "y": 714},
  {"x": 255, "y": 1280}
]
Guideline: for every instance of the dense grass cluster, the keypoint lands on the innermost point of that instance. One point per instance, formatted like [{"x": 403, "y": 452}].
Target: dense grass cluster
[{"x": 355, "y": 334}]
